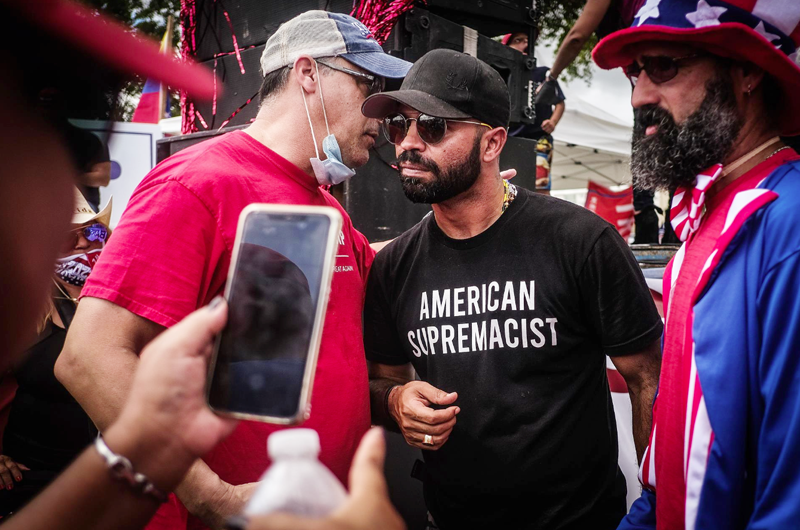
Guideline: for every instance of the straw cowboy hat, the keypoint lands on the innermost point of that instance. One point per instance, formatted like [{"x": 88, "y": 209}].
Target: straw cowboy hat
[{"x": 83, "y": 213}]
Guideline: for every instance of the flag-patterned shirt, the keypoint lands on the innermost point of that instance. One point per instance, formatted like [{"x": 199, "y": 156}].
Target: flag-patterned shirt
[{"x": 728, "y": 400}]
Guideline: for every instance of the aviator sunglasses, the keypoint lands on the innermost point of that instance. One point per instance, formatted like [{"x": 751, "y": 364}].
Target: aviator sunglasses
[
  {"x": 430, "y": 129},
  {"x": 92, "y": 233},
  {"x": 659, "y": 68}
]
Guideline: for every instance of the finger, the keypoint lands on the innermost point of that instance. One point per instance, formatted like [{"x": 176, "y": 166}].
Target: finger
[
  {"x": 23, "y": 467},
  {"x": 5, "y": 476},
  {"x": 508, "y": 174},
  {"x": 429, "y": 416},
  {"x": 422, "y": 428},
  {"x": 366, "y": 474},
  {"x": 440, "y": 429},
  {"x": 434, "y": 441},
  {"x": 14, "y": 470},
  {"x": 434, "y": 445},
  {"x": 195, "y": 332},
  {"x": 434, "y": 395}
]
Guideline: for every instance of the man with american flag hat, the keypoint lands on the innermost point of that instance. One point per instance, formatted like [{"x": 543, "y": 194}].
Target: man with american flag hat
[{"x": 714, "y": 85}]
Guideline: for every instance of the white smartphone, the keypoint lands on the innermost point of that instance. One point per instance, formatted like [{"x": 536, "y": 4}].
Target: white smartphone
[{"x": 277, "y": 291}]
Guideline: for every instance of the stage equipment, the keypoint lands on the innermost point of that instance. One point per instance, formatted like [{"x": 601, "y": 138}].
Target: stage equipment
[{"x": 229, "y": 37}]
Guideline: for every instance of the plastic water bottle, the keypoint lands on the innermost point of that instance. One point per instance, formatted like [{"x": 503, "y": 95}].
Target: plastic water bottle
[{"x": 296, "y": 482}]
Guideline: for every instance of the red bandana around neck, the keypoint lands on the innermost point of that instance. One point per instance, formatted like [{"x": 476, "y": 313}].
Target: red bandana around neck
[{"x": 687, "y": 209}]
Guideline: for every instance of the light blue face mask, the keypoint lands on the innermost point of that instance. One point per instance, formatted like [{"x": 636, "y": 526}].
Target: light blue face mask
[{"x": 332, "y": 170}]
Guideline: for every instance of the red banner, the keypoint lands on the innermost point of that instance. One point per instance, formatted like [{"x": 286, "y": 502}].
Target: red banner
[{"x": 616, "y": 207}]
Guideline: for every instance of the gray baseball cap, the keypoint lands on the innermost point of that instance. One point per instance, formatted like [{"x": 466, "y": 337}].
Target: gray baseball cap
[{"x": 324, "y": 34}]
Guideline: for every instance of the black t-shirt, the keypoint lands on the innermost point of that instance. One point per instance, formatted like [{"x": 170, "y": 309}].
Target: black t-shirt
[
  {"x": 517, "y": 320},
  {"x": 46, "y": 427}
]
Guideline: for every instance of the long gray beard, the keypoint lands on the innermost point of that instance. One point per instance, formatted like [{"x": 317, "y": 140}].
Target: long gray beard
[{"x": 675, "y": 154}]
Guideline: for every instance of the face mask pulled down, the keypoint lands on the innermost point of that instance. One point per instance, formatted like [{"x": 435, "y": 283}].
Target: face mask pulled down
[
  {"x": 75, "y": 269},
  {"x": 332, "y": 170}
]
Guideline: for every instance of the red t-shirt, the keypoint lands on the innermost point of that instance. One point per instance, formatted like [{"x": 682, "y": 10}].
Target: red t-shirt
[
  {"x": 674, "y": 383},
  {"x": 170, "y": 255}
]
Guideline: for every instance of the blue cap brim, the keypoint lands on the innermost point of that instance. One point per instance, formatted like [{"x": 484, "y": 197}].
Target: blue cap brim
[{"x": 379, "y": 63}]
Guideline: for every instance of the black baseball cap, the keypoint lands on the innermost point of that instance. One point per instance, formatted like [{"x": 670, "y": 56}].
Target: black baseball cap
[{"x": 447, "y": 84}]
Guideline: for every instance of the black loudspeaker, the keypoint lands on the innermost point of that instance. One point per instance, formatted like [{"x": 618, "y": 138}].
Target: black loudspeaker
[
  {"x": 251, "y": 22},
  {"x": 420, "y": 31},
  {"x": 488, "y": 17},
  {"x": 374, "y": 198}
]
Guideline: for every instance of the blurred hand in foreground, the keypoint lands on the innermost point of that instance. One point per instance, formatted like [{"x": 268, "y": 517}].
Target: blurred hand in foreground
[{"x": 166, "y": 408}]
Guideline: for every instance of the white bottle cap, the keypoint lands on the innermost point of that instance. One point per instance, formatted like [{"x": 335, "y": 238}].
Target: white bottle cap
[{"x": 293, "y": 443}]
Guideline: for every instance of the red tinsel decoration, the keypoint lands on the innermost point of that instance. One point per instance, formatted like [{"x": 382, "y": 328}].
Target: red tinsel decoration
[
  {"x": 190, "y": 115},
  {"x": 380, "y": 15},
  {"x": 188, "y": 49}
]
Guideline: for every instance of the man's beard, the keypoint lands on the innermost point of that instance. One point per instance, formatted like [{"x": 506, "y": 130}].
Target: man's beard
[
  {"x": 675, "y": 154},
  {"x": 445, "y": 184}
]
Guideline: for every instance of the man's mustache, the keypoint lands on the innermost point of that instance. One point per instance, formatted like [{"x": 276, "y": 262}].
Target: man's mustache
[
  {"x": 649, "y": 115},
  {"x": 414, "y": 157}
]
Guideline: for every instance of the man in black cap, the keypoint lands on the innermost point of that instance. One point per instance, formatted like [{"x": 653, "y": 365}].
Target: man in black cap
[{"x": 505, "y": 303}]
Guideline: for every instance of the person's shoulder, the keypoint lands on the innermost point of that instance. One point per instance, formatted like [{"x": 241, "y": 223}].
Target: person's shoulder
[
  {"x": 562, "y": 215},
  {"x": 205, "y": 169},
  {"x": 785, "y": 182},
  {"x": 781, "y": 218},
  {"x": 785, "y": 179},
  {"x": 403, "y": 245}
]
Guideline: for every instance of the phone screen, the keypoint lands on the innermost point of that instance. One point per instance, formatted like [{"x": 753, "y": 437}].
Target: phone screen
[{"x": 273, "y": 298}]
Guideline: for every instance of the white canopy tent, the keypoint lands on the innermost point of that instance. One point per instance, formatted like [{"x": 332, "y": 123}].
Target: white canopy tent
[{"x": 590, "y": 143}]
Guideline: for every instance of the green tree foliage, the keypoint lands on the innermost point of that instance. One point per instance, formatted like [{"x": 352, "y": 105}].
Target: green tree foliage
[
  {"x": 147, "y": 17},
  {"x": 556, "y": 17}
]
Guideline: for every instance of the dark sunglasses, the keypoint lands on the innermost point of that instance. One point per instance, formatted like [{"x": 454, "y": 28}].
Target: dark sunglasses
[
  {"x": 92, "y": 233},
  {"x": 431, "y": 129},
  {"x": 659, "y": 68},
  {"x": 375, "y": 83}
]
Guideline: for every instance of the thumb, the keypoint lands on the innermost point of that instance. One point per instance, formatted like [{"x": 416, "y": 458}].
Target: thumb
[
  {"x": 508, "y": 174},
  {"x": 439, "y": 397},
  {"x": 23, "y": 467},
  {"x": 197, "y": 330},
  {"x": 366, "y": 474}
]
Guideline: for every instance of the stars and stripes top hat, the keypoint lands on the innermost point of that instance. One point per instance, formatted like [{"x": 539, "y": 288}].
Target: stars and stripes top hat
[{"x": 764, "y": 32}]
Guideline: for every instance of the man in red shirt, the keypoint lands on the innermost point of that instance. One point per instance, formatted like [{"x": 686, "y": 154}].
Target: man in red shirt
[
  {"x": 715, "y": 85},
  {"x": 171, "y": 252}
]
